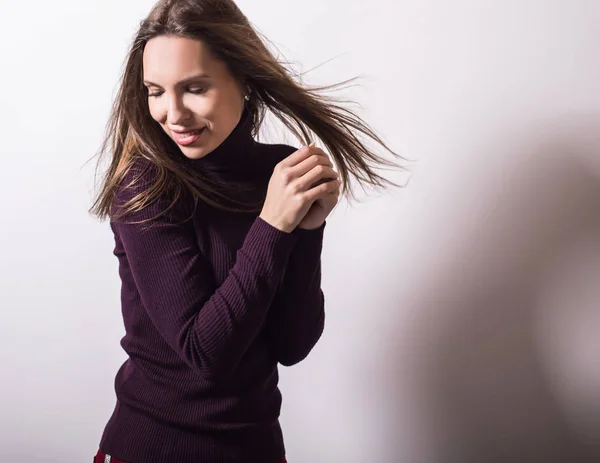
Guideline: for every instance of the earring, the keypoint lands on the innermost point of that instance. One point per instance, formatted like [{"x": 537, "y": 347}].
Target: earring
[{"x": 247, "y": 97}]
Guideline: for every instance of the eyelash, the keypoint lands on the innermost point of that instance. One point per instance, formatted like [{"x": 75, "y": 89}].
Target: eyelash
[{"x": 194, "y": 92}]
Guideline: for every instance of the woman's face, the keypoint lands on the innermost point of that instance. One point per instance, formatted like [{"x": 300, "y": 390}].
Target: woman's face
[{"x": 190, "y": 90}]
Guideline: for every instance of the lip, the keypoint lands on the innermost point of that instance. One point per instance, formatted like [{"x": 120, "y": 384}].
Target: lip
[
  {"x": 187, "y": 137},
  {"x": 186, "y": 131}
]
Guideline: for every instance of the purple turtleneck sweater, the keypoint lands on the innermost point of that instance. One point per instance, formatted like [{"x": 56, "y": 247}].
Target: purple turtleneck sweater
[{"x": 210, "y": 307}]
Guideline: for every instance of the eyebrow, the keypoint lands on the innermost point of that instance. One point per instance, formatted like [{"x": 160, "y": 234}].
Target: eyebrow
[{"x": 182, "y": 82}]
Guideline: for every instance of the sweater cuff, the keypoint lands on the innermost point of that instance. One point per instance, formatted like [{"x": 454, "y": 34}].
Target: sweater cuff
[
  {"x": 315, "y": 233},
  {"x": 268, "y": 246}
]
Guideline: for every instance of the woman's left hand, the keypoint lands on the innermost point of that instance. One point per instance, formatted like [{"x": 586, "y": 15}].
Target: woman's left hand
[{"x": 322, "y": 207}]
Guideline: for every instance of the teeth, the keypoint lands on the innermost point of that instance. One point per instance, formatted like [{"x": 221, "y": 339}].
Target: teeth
[{"x": 187, "y": 134}]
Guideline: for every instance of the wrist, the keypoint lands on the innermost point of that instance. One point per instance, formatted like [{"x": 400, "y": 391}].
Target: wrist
[
  {"x": 275, "y": 224},
  {"x": 307, "y": 229}
]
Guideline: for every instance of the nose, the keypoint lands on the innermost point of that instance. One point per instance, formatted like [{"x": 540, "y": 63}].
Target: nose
[{"x": 176, "y": 111}]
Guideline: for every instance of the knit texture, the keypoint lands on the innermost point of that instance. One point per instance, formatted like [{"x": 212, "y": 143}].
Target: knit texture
[{"x": 211, "y": 306}]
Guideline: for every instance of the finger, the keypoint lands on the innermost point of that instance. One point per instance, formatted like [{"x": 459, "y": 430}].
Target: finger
[
  {"x": 309, "y": 164},
  {"x": 321, "y": 190},
  {"x": 318, "y": 151},
  {"x": 335, "y": 193},
  {"x": 316, "y": 176},
  {"x": 296, "y": 157},
  {"x": 318, "y": 157},
  {"x": 301, "y": 154}
]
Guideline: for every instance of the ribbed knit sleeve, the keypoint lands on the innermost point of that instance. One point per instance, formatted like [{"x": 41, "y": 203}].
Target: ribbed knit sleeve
[
  {"x": 209, "y": 327},
  {"x": 296, "y": 321}
]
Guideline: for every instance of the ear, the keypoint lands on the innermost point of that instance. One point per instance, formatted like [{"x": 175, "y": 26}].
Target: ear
[{"x": 247, "y": 88}]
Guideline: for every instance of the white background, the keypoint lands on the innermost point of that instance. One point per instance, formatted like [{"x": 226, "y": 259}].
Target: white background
[{"x": 463, "y": 310}]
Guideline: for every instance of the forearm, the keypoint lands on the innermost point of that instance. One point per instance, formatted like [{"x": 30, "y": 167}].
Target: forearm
[
  {"x": 296, "y": 320},
  {"x": 210, "y": 328}
]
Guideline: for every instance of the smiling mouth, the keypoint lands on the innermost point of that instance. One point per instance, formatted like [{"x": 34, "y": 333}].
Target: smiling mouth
[{"x": 187, "y": 138}]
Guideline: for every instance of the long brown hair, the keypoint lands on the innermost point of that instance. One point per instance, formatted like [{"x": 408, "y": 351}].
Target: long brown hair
[{"x": 131, "y": 132}]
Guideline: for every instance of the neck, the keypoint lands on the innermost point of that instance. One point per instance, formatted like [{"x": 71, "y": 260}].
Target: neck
[{"x": 234, "y": 154}]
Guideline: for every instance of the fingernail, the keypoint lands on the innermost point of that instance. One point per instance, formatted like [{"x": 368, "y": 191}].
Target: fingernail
[{"x": 312, "y": 144}]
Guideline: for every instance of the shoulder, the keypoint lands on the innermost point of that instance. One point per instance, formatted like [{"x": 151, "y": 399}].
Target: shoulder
[
  {"x": 136, "y": 178},
  {"x": 275, "y": 152},
  {"x": 141, "y": 194}
]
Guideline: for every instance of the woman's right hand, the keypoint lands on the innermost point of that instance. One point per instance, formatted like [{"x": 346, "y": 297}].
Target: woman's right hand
[{"x": 299, "y": 180}]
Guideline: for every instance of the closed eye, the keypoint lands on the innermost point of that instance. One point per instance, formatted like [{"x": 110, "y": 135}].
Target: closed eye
[{"x": 194, "y": 91}]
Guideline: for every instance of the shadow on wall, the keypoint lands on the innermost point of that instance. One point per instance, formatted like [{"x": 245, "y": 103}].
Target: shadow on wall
[{"x": 487, "y": 360}]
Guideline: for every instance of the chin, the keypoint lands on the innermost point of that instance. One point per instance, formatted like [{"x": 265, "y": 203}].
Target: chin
[{"x": 193, "y": 153}]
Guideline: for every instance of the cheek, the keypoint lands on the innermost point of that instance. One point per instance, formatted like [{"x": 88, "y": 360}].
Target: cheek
[
  {"x": 156, "y": 111},
  {"x": 202, "y": 106}
]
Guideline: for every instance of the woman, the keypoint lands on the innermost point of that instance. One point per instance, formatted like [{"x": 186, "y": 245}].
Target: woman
[{"x": 218, "y": 236}]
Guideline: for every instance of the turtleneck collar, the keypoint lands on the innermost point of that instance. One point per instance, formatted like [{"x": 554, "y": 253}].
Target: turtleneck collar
[{"x": 234, "y": 154}]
